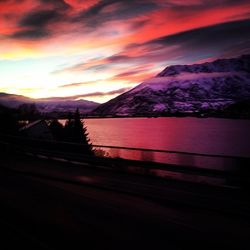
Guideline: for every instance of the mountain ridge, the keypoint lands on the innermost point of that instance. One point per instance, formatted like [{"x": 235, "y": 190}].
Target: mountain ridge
[
  {"x": 241, "y": 63},
  {"x": 48, "y": 105},
  {"x": 198, "y": 88}
]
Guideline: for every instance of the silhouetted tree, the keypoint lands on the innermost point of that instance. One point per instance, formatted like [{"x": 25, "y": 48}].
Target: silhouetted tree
[
  {"x": 57, "y": 130},
  {"x": 68, "y": 128},
  {"x": 75, "y": 131}
]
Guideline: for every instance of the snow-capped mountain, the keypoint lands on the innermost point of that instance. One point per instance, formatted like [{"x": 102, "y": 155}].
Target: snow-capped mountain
[
  {"x": 64, "y": 106},
  {"x": 206, "y": 87},
  {"x": 48, "y": 105}
]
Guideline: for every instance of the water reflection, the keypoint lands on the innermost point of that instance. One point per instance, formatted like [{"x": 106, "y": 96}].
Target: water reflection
[
  {"x": 238, "y": 168},
  {"x": 187, "y": 160},
  {"x": 147, "y": 156},
  {"x": 208, "y": 136}
]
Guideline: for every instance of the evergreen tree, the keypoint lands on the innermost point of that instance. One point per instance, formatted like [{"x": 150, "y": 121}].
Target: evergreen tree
[
  {"x": 68, "y": 129},
  {"x": 75, "y": 131}
]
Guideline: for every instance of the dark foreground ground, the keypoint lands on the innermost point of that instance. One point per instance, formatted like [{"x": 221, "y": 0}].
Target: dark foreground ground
[{"x": 55, "y": 205}]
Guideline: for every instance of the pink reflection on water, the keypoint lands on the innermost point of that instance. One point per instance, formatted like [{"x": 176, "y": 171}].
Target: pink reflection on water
[
  {"x": 208, "y": 136},
  {"x": 172, "y": 158}
]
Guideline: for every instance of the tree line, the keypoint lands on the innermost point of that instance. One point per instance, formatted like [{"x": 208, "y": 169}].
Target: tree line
[{"x": 74, "y": 130}]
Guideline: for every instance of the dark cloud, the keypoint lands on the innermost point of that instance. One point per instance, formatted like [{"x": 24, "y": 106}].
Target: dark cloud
[
  {"x": 118, "y": 58},
  {"x": 107, "y": 10},
  {"x": 199, "y": 43},
  {"x": 128, "y": 73},
  {"x": 33, "y": 24},
  {"x": 215, "y": 35},
  {"x": 194, "y": 6},
  {"x": 32, "y": 34},
  {"x": 39, "y": 18},
  {"x": 139, "y": 24},
  {"x": 58, "y": 4}
]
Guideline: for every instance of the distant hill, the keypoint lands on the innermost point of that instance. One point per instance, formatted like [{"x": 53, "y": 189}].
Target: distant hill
[
  {"x": 188, "y": 89},
  {"x": 5, "y": 110},
  {"x": 55, "y": 105},
  {"x": 13, "y": 101}
]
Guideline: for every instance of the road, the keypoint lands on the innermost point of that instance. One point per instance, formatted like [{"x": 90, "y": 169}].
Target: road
[{"x": 53, "y": 205}]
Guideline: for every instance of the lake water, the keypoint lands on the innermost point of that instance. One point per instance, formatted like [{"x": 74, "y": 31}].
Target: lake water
[{"x": 197, "y": 135}]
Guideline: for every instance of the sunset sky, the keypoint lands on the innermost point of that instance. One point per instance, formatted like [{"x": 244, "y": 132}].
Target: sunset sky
[{"x": 96, "y": 50}]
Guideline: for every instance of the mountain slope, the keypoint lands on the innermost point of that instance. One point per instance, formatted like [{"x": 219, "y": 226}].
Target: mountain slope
[
  {"x": 48, "y": 105},
  {"x": 13, "y": 101},
  {"x": 203, "y": 87}
]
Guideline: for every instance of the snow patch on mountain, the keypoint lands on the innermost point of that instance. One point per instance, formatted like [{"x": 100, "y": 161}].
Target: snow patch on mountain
[{"x": 183, "y": 80}]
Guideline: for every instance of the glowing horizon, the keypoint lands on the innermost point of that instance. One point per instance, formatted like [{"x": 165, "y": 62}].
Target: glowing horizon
[{"x": 101, "y": 48}]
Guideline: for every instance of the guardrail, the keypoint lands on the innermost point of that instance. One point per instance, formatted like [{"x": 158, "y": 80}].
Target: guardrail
[{"x": 208, "y": 168}]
